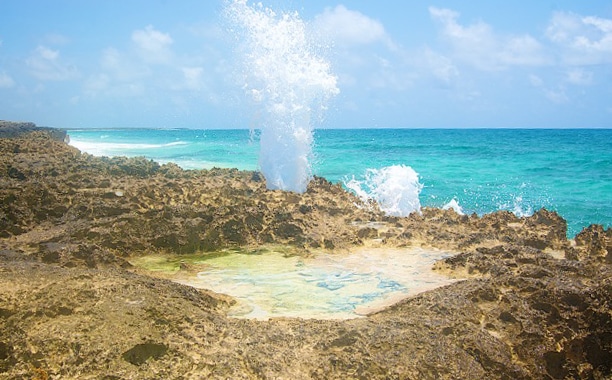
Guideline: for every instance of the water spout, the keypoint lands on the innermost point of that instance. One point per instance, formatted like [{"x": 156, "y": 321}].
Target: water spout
[{"x": 288, "y": 81}]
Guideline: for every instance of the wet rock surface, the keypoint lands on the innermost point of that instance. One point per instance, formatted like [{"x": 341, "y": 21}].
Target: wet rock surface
[{"x": 533, "y": 303}]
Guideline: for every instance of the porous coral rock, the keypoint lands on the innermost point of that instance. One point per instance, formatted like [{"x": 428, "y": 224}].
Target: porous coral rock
[{"x": 72, "y": 307}]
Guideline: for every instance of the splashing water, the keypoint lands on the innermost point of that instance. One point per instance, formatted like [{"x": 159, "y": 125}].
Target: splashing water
[
  {"x": 288, "y": 82},
  {"x": 453, "y": 205},
  {"x": 395, "y": 188}
]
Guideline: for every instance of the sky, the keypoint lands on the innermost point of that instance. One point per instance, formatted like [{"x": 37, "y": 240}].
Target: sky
[{"x": 420, "y": 64}]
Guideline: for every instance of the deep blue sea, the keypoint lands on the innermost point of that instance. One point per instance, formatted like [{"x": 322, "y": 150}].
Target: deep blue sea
[{"x": 479, "y": 170}]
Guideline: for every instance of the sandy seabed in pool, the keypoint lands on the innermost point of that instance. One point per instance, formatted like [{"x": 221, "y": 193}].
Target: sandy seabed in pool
[{"x": 326, "y": 286}]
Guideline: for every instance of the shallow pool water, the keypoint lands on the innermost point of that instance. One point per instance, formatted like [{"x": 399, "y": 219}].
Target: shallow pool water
[{"x": 331, "y": 286}]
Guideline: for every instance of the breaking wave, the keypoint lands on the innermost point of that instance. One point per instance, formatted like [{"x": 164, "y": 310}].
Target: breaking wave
[{"x": 394, "y": 188}]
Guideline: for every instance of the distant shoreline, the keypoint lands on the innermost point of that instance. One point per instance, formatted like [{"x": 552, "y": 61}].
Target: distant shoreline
[{"x": 10, "y": 129}]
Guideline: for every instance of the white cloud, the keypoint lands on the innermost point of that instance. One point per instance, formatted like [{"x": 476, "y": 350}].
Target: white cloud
[
  {"x": 479, "y": 45},
  {"x": 347, "y": 27},
  {"x": 536, "y": 81},
  {"x": 6, "y": 81},
  {"x": 521, "y": 51},
  {"x": 365, "y": 54},
  {"x": 562, "y": 26},
  {"x": 96, "y": 84},
  {"x": 474, "y": 43},
  {"x": 47, "y": 54},
  {"x": 111, "y": 58},
  {"x": 153, "y": 45},
  {"x": 122, "y": 67},
  {"x": 121, "y": 75},
  {"x": 557, "y": 95},
  {"x": 583, "y": 40},
  {"x": 45, "y": 64},
  {"x": 441, "y": 67},
  {"x": 389, "y": 76},
  {"x": 193, "y": 77},
  {"x": 579, "y": 76},
  {"x": 149, "y": 67}
]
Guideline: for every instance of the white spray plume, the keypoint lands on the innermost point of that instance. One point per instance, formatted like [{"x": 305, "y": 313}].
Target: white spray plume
[
  {"x": 395, "y": 188},
  {"x": 288, "y": 82}
]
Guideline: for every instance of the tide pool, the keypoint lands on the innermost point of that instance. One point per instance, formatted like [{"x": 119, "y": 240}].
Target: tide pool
[{"x": 271, "y": 283}]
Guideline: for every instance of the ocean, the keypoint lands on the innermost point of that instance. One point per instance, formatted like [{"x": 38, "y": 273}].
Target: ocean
[{"x": 473, "y": 171}]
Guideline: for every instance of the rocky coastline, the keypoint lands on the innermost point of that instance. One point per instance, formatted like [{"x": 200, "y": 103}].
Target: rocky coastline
[{"x": 532, "y": 304}]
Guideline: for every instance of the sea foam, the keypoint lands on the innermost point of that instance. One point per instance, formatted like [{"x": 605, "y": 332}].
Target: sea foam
[
  {"x": 98, "y": 148},
  {"x": 395, "y": 189},
  {"x": 288, "y": 82},
  {"x": 453, "y": 204}
]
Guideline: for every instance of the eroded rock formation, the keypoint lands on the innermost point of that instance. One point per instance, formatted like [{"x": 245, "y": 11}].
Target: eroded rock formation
[{"x": 534, "y": 304}]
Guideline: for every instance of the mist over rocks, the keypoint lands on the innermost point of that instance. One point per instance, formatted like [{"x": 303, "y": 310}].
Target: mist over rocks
[{"x": 532, "y": 304}]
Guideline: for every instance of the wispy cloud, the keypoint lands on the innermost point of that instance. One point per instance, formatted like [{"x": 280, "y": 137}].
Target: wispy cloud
[
  {"x": 583, "y": 40},
  {"x": 579, "y": 77},
  {"x": 557, "y": 95},
  {"x": 5, "y": 80},
  {"x": 46, "y": 64},
  {"x": 149, "y": 68},
  {"x": 480, "y": 46},
  {"x": 193, "y": 78},
  {"x": 348, "y": 27},
  {"x": 123, "y": 66},
  {"x": 366, "y": 55},
  {"x": 441, "y": 67},
  {"x": 536, "y": 81},
  {"x": 121, "y": 75},
  {"x": 96, "y": 84},
  {"x": 153, "y": 45}
]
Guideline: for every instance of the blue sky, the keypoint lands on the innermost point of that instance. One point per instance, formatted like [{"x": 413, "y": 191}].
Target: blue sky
[{"x": 421, "y": 64}]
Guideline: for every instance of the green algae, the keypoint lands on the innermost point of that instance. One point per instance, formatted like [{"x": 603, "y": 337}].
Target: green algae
[{"x": 168, "y": 263}]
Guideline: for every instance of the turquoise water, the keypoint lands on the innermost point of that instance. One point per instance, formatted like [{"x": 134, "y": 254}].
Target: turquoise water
[{"x": 483, "y": 170}]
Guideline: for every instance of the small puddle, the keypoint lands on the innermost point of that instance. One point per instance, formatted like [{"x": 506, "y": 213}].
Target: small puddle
[{"x": 270, "y": 283}]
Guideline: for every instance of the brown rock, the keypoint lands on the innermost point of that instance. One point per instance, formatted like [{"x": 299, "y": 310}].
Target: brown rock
[
  {"x": 594, "y": 242},
  {"x": 72, "y": 307}
]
